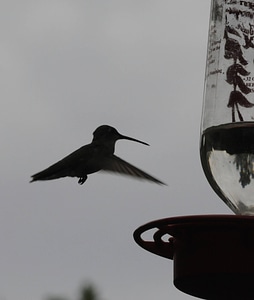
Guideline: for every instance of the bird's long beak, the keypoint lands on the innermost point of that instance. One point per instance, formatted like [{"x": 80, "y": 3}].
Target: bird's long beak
[{"x": 124, "y": 137}]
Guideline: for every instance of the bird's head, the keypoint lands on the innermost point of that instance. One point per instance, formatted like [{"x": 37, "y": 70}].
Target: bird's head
[{"x": 106, "y": 133}]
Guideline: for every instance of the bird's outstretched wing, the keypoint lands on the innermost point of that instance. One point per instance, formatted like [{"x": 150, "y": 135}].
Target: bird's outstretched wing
[{"x": 116, "y": 164}]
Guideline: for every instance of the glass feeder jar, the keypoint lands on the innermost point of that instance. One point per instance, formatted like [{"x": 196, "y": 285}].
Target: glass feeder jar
[{"x": 227, "y": 127}]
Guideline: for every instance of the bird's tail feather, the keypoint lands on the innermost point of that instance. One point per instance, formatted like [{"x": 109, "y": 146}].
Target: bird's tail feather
[{"x": 53, "y": 172}]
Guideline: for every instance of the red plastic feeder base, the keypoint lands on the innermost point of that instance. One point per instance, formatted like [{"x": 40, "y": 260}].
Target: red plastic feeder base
[{"x": 213, "y": 255}]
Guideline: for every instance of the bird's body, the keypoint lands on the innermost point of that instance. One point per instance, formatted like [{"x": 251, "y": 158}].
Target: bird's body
[{"x": 96, "y": 156}]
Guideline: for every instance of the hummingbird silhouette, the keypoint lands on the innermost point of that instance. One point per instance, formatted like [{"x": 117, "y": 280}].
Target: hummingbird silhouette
[{"x": 96, "y": 156}]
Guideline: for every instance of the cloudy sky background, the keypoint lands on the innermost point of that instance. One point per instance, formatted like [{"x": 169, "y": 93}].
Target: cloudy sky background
[{"x": 67, "y": 67}]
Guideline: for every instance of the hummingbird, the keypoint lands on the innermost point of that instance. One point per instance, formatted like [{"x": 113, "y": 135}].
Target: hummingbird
[{"x": 96, "y": 156}]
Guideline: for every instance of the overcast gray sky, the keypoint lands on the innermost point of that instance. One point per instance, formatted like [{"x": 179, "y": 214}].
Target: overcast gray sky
[{"x": 67, "y": 67}]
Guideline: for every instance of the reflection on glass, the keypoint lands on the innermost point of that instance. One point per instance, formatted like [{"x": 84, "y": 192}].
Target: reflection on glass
[{"x": 227, "y": 155}]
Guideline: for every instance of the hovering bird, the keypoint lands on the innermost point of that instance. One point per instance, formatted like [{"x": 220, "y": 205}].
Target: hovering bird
[{"x": 96, "y": 156}]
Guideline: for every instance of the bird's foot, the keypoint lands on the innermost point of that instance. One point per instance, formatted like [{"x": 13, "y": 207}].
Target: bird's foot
[{"x": 82, "y": 180}]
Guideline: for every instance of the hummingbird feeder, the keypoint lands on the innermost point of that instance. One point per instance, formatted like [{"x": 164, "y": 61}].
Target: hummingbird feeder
[{"x": 213, "y": 255}]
